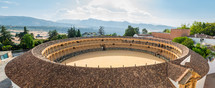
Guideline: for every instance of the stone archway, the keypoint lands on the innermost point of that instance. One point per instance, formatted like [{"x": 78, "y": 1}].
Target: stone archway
[{"x": 103, "y": 47}]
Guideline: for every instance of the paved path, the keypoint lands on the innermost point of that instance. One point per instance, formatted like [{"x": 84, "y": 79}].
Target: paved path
[
  {"x": 4, "y": 81},
  {"x": 210, "y": 81}
]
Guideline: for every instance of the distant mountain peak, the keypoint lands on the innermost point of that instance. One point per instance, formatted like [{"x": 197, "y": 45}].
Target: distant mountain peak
[
  {"x": 27, "y": 21},
  {"x": 91, "y": 23}
]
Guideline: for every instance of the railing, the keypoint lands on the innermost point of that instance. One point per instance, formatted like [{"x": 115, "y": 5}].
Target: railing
[{"x": 57, "y": 49}]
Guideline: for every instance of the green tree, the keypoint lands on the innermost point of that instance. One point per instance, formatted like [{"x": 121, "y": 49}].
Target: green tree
[
  {"x": 184, "y": 41},
  {"x": 32, "y": 34},
  {"x": 144, "y": 31},
  {"x": 7, "y": 42},
  {"x": 130, "y": 31},
  {"x": 4, "y": 34},
  {"x": 27, "y": 41},
  {"x": 166, "y": 31},
  {"x": 201, "y": 27},
  {"x": 21, "y": 34},
  {"x": 38, "y": 41},
  {"x": 137, "y": 30},
  {"x": 53, "y": 35},
  {"x": 183, "y": 26},
  {"x": 72, "y": 32},
  {"x": 7, "y": 47},
  {"x": 78, "y": 33},
  {"x": 1, "y": 45},
  {"x": 62, "y": 36},
  {"x": 202, "y": 50},
  {"x": 114, "y": 34},
  {"x": 209, "y": 28},
  {"x": 196, "y": 28},
  {"x": 25, "y": 30},
  {"x": 101, "y": 30}
]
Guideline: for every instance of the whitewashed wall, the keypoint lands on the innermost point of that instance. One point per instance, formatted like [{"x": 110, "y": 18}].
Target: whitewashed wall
[
  {"x": 206, "y": 41},
  {"x": 14, "y": 85},
  {"x": 200, "y": 83},
  {"x": 211, "y": 67}
]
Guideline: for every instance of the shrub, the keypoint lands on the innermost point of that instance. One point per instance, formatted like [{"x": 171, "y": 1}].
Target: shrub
[
  {"x": 184, "y": 41},
  {"x": 7, "y": 47},
  {"x": 38, "y": 41}
]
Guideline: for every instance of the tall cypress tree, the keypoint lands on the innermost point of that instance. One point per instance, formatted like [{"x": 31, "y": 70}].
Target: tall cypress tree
[
  {"x": 78, "y": 33},
  {"x": 21, "y": 34},
  {"x": 53, "y": 35},
  {"x": 5, "y": 35},
  {"x": 25, "y": 30},
  {"x": 71, "y": 32}
]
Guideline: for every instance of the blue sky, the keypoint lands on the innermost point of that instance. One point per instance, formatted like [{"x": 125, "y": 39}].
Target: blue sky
[{"x": 167, "y": 12}]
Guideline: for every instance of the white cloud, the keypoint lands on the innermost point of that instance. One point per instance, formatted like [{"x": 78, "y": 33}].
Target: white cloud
[
  {"x": 77, "y": 1},
  {"x": 8, "y": 2},
  {"x": 120, "y": 10},
  {"x": 135, "y": 11},
  {"x": 4, "y": 7}
]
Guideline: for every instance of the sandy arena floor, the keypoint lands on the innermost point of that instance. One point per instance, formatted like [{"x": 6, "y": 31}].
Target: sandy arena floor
[{"x": 114, "y": 58}]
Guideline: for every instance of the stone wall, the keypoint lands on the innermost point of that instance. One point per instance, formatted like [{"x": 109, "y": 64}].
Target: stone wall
[
  {"x": 179, "y": 33},
  {"x": 161, "y": 35},
  {"x": 174, "y": 33}
]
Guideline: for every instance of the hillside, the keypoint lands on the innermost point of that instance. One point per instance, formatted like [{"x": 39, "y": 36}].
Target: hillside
[
  {"x": 89, "y": 25},
  {"x": 114, "y": 26},
  {"x": 27, "y": 21}
]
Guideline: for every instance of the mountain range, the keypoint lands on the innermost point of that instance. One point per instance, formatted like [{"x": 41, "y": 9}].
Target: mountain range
[{"x": 88, "y": 25}]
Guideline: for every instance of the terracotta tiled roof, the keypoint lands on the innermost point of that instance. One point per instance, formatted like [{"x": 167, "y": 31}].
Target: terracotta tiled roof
[
  {"x": 198, "y": 64},
  {"x": 33, "y": 70},
  {"x": 176, "y": 72}
]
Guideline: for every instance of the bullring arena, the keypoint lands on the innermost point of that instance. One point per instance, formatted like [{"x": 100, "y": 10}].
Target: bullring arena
[{"x": 108, "y": 62}]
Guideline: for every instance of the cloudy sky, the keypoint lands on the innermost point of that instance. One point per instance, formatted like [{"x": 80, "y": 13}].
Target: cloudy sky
[{"x": 167, "y": 12}]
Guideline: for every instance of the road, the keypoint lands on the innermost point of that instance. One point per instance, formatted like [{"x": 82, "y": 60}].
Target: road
[{"x": 4, "y": 81}]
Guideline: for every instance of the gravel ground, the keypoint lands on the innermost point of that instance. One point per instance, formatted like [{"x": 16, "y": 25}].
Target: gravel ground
[{"x": 4, "y": 81}]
